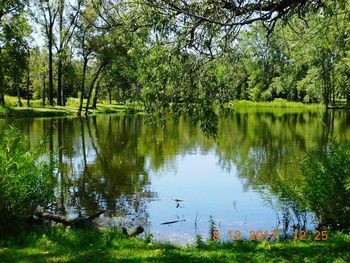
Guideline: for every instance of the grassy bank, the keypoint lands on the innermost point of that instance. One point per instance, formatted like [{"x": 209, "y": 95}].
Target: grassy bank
[
  {"x": 278, "y": 107},
  {"x": 67, "y": 245},
  {"x": 277, "y": 103},
  {"x": 37, "y": 110}
]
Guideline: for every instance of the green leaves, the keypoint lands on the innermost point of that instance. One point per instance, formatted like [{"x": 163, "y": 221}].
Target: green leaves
[
  {"x": 326, "y": 189},
  {"x": 26, "y": 178}
]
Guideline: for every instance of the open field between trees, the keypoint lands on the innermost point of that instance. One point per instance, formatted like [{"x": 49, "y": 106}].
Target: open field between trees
[{"x": 71, "y": 109}]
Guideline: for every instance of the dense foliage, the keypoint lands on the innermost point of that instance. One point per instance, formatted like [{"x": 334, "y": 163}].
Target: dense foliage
[
  {"x": 163, "y": 52},
  {"x": 326, "y": 189},
  {"x": 26, "y": 180},
  {"x": 323, "y": 187}
]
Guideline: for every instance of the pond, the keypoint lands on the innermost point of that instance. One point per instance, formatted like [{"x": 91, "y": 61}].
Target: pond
[{"x": 172, "y": 178}]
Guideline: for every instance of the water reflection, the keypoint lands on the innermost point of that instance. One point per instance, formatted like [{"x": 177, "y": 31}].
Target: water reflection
[{"x": 225, "y": 165}]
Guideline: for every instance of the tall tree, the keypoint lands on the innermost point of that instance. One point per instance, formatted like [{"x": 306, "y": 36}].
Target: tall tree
[
  {"x": 67, "y": 25},
  {"x": 15, "y": 59},
  {"x": 50, "y": 10},
  {"x": 59, "y": 52},
  {"x": 7, "y": 8},
  {"x": 83, "y": 37}
]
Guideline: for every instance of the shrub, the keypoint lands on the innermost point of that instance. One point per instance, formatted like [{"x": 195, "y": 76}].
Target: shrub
[
  {"x": 26, "y": 180},
  {"x": 326, "y": 188}
]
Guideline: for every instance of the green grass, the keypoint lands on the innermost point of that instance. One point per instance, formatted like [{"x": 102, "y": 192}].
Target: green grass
[
  {"x": 67, "y": 245},
  {"x": 37, "y": 110},
  {"x": 278, "y": 107},
  {"x": 277, "y": 103}
]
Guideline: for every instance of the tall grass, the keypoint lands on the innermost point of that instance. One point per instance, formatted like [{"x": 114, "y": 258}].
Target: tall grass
[
  {"x": 326, "y": 189},
  {"x": 25, "y": 181}
]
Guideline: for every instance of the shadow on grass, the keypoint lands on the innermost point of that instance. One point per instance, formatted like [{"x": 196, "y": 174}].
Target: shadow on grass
[
  {"x": 65, "y": 245},
  {"x": 32, "y": 112}
]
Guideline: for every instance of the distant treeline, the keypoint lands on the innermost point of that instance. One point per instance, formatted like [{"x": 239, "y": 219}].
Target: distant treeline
[{"x": 159, "y": 52}]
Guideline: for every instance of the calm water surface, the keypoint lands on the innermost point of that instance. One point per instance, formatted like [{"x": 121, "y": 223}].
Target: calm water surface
[{"x": 135, "y": 170}]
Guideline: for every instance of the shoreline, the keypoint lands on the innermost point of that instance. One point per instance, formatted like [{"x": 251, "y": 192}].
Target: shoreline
[
  {"x": 103, "y": 108},
  {"x": 62, "y": 111}
]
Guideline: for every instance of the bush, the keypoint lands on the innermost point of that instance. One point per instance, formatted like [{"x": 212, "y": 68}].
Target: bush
[
  {"x": 326, "y": 188},
  {"x": 26, "y": 181}
]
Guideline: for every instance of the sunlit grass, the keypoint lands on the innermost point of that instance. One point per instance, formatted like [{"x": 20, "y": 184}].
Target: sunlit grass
[
  {"x": 278, "y": 107},
  {"x": 37, "y": 110},
  {"x": 277, "y": 103},
  {"x": 66, "y": 245}
]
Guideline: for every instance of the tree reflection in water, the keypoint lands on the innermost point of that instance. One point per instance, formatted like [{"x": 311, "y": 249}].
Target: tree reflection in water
[{"x": 105, "y": 160}]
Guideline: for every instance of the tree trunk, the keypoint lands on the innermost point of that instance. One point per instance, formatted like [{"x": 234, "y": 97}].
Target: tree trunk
[
  {"x": 94, "y": 102},
  {"x": 326, "y": 84},
  {"x": 92, "y": 87},
  {"x": 2, "y": 93},
  {"x": 59, "y": 82},
  {"x": 82, "y": 87},
  {"x": 50, "y": 40},
  {"x": 75, "y": 222},
  {"x": 18, "y": 95},
  {"x": 60, "y": 63},
  {"x": 28, "y": 79},
  {"x": 136, "y": 231},
  {"x": 44, "y": 91},
  {"x": 64, "y": 94},
  {"x": 332, "y": 86},
  {"x": 110, "y": 95}
]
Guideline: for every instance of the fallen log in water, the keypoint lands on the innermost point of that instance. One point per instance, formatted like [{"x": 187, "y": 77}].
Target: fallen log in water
[
  {"x": 75, "y": 222},
  {"x": 83, "y": 221},
  {"x": 138, "y": 230}
]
